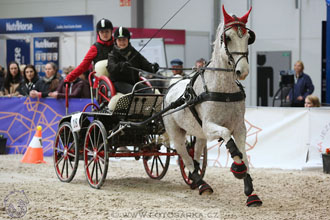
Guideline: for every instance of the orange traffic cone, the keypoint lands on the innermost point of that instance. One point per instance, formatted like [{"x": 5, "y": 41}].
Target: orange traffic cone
[{"x": 34, "y": 153}]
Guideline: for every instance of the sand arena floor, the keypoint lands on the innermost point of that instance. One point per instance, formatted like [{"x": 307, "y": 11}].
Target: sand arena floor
[{"x": 128, "y": 193}]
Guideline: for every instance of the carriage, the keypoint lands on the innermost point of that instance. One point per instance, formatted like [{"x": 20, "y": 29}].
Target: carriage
[{"x": 133, "y": 120}]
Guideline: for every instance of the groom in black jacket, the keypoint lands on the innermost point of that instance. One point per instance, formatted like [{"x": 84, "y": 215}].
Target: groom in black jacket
[{"x": 122, "y": 58}]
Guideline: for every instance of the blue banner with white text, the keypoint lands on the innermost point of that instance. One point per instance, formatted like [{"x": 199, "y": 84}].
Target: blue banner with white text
[
  {"x": 46, "y": 24},
  {"x": 18, "y": 50},
  {"x": 19, "y": 118},
  {"x": 46, "y": 49}
]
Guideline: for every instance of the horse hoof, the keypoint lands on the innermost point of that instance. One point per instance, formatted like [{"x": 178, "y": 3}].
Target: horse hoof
[
  {"x": 193, "y": 186},
  {"x": 239, "y": 170},
  {"x": 205, "y": 189},
  {"x": 253, "y": 201}
]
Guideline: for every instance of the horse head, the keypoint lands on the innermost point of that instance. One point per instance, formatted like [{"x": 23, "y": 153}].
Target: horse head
[{"x": 235, "y": 39}]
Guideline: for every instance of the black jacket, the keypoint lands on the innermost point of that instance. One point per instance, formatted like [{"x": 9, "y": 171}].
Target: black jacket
[
  {"x": 118, "y": 57},
  {"x": 47, "y": 87},
  {"x": 25, "y": 87}
]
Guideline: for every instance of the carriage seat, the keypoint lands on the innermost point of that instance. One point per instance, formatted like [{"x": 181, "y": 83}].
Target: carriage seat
[
  {"x": 101, "y": 68},
  {"x": 137, "y": 106},
  {"x": 113, "y": 101}
]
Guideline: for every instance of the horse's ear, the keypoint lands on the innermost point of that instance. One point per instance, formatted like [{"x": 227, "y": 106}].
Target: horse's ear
[
  {"x": 244, "y": 18},
  {"x": 226, "y": 16}
]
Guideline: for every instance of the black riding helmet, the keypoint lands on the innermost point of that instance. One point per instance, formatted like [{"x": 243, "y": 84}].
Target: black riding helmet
[
  {"x": 104, "y": 24},
  {"x": 122, "y": 32}
]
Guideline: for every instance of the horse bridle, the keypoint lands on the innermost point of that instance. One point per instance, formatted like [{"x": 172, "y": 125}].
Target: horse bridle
[{"x": 251, "y": 40}]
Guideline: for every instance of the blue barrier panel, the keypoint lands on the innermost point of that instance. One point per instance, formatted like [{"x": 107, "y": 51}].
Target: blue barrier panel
[{"x": 19, "y": 118}]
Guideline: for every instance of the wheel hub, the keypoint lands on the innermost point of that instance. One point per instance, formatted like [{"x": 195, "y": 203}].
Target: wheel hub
[
  {"x": 95, "y": 154},
  {"x": 65, "y": 153}
]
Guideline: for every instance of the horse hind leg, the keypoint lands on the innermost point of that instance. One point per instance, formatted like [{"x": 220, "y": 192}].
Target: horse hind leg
[
  {"x": 194, "y": 175},
  {"x": 204, "y": 188}
]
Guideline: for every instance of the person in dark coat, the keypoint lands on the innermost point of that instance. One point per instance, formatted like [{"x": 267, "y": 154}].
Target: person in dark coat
[
  {"x": 122, "y": 58},
  {"x": 302, "y": 88},
  {"x": 30, "y": 78},
  {"x": 47, "y": 84}
]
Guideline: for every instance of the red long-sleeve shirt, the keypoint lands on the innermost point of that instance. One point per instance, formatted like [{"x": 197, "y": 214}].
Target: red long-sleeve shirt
[{"x": 88, "y": 59}]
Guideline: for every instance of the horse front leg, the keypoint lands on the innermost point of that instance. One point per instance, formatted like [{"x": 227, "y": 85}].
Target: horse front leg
[
  {"x": 240, "y": 137},
  {"x": 214, "y": 131}
]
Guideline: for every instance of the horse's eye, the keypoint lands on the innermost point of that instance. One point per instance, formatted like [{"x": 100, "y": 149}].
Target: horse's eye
[{"x": 227, "y": 38}]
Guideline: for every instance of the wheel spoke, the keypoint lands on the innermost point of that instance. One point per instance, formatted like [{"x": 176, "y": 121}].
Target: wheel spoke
[
  {"x": 89, "y": 163},
  {"x": 67, "y": 168},
  {"x": 93, "y": 171},
  {"x": 152, "y": 165},
  {"x": 71, "y": 164},
  {"x": 102, "y": 159},
  {"x": 96, "y": 171},
  {"x": 68, "y": 141},
  {"x": 71, "y": 155},
  {"x": 59, "y": 149},
  {"x": 98, "y": 150},
  {"x": 64, "y": 136},
  {"x": 98, "y": 138},
  {"x": 101, "y": 172},
  {"x": 161, "y": 163},
  {"x": 90, "y": 139},
  {"x": 61, "y": 141},
  {"x": 63, "y": 168},
  {"x": 157, "y": 166},
  {"x": 59, "y": 160},
  {"x": 72, "y": 144}
]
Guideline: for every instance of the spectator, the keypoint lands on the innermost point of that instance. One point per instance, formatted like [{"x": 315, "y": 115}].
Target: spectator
[
  {"x": 47, "y": 84},
  {"x": 2, "y": 77},
  {"x": 85, "y": 93},
  {"x": 75, "y": 88},
  {"x": 200, "y": 63},
  {"x": 124, "y": 56},
  {"x": 98, "y": 51},
  {"x": 177, "y": 65},
  {"x": 30, "y": 78},
  {"x": 12, "y": 80},
  {"x": 302, "y": 88},
  {"x": 312, "y": 101}
]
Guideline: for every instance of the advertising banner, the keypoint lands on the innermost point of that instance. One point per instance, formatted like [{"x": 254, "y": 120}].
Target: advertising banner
[
  {"x": 46, "y": 24},
  {"x": 18, "y": 50},
  {"x": 170, "y": 36},
  {"x": 46, "y": 49}
]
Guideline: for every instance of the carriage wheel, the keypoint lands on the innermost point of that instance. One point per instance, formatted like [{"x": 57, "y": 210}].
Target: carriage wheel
[
  {"x": 96, "y": 158},
  {"x": 190, "y": 145},
  {"x": 65, "y": 154},
  {"x": 156, "y": 166}
]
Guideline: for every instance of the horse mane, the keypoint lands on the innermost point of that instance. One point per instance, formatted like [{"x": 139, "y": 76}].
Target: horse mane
[{"x": 217, "y": 44}]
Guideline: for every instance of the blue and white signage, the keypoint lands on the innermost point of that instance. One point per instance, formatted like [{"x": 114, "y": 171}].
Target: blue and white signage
[
  {"x": 47, "y": 24},
  {"x": 18, "y": 50},
  {"x": 46, "y": 49}
]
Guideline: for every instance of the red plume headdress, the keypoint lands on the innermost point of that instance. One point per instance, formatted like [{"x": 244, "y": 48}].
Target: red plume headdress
[{"x": 233, "y": 21}]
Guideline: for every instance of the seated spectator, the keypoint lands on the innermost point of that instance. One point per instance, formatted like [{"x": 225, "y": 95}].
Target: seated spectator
[
  {"x": 302, "y": 88},
  {"x": 122, "y": 57},
  {"x": 30, "y": 78},
  {"x": 47, "y": 84},
  {"x": 312, "y": 101},
  {"x": 12, "y": 80}
]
